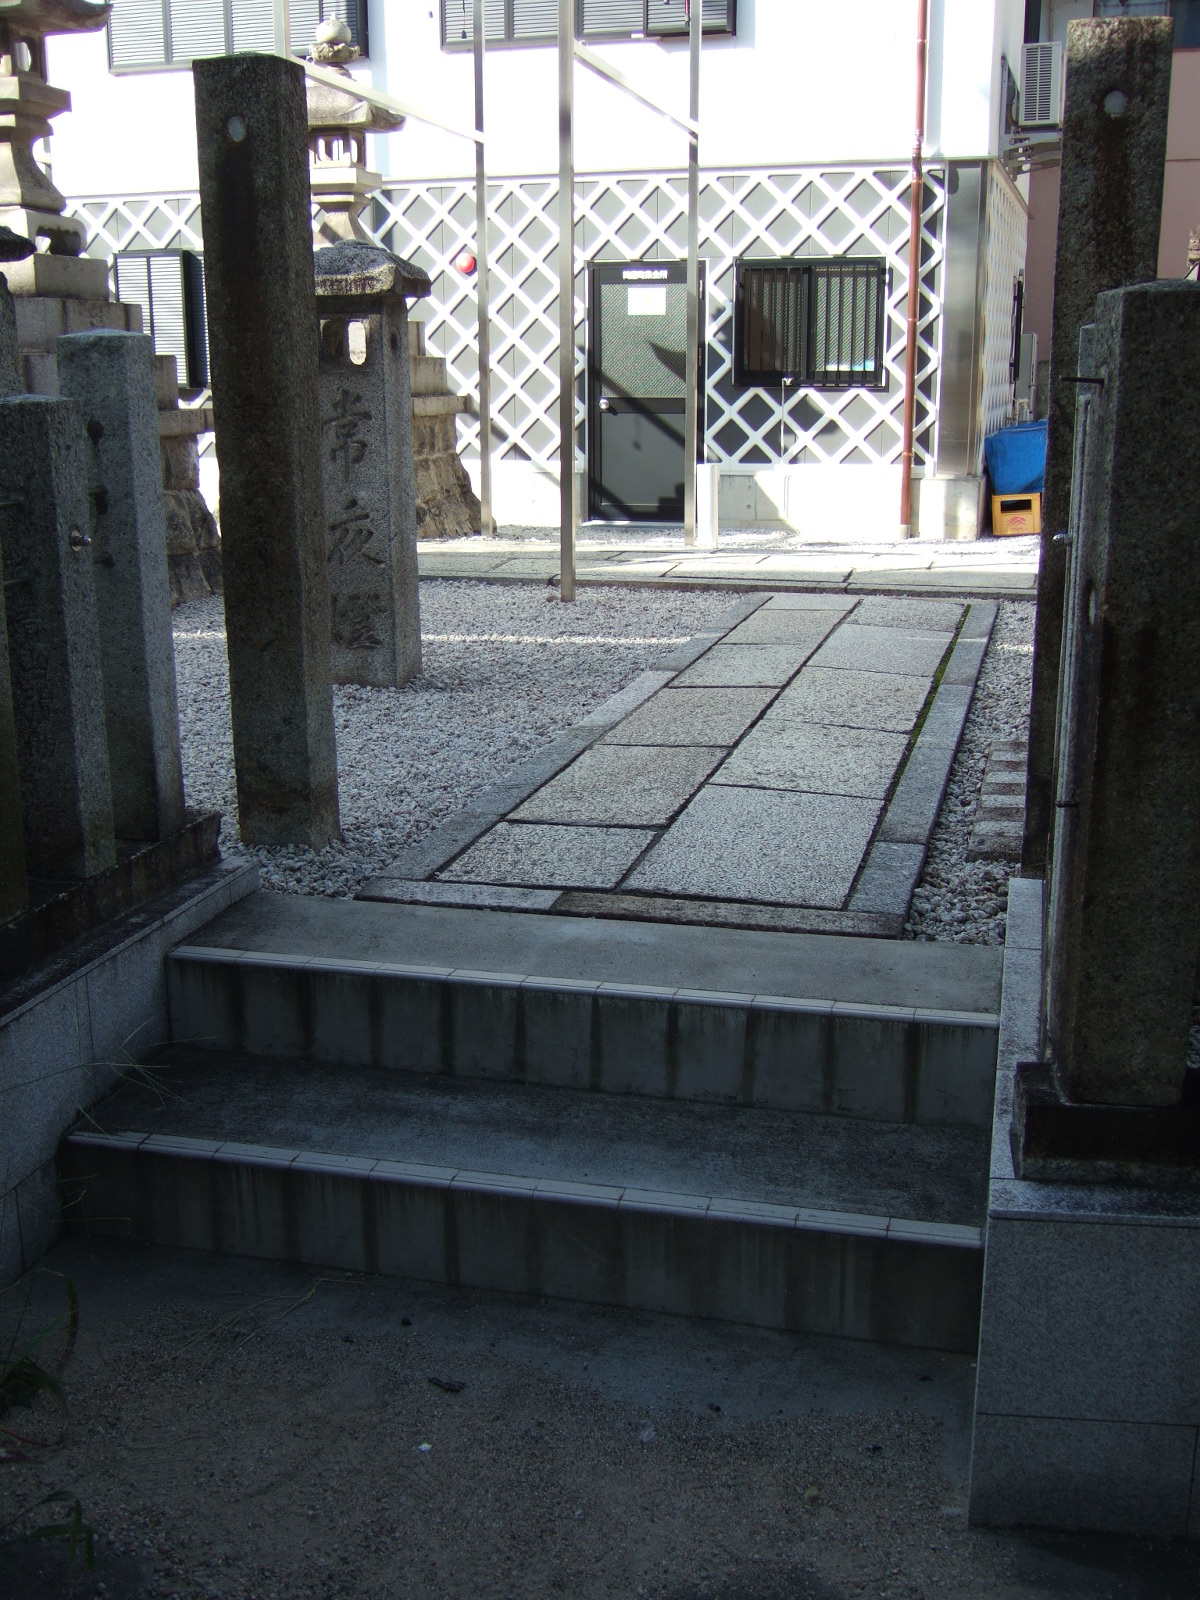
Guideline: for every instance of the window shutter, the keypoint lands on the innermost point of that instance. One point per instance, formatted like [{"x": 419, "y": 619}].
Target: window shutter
[
  {"x": 136, "y": 36},
  {"x": 669, "y": 16},
  {"x": 253, "y": 25},
  {"x": 846, "y": 324},
  {"x": 303, "y": 17},
  {"x": 534, "y": 19},
  {"x": 616, "y": 18},
  {"x": 133, "y": 284},
  {"x": 197, "y": 29},
  {"x": 458, "y": 22}
]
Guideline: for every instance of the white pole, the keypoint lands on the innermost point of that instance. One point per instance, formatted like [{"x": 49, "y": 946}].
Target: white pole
[
  {"x": 692, "y": 363},
  {"x": 566, "y": 299},
  {"x": 482, "y": 287}
]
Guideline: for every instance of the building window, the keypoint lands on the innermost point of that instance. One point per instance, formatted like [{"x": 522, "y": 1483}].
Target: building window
[
  {"x": 1185, "y": 12},
  {"x": 813, "y": 323},
  {"x": 536, "y": 21},
  {"x": 165, "y": 33},
  {"x": 169, "y": 287}
]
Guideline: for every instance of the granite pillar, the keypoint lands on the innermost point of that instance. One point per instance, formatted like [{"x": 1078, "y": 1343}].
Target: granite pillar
[
  {"x": 10, "y": 364},
  {"x": 1124, "y": 921},
  {"x": 367, "y": 462},
  {"x": 14, "y": 886},
  {"x": 252, "y": 138},
  {"x": 53, "y": 640},
  {"x": 1110, "y": 208},
  {"x": 110, "y": 376}
]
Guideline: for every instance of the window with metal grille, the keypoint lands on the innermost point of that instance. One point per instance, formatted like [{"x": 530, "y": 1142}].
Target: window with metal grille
[
  {"x": 164, "y": 33},
  {"x": 169, "y": 287},
  {"x": 536, "y": 21},
  {"x": 814, "y": 323}
]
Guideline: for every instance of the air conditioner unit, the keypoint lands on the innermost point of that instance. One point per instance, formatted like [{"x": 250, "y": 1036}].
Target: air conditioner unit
[{"x": 1041, "y": 85}]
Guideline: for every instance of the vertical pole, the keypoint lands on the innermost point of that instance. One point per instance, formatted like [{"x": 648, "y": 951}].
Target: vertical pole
[
  {"x": 692, "y": 363},
  {"x": 915, "y": 203},
  {"x": 482, "y": 289},
  {"x": 566, "y": 298},
  {"x": 283, "y": 27}
]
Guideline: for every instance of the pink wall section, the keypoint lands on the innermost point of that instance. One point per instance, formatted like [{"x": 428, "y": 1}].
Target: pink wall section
[{"x": 1181, "y": 202}]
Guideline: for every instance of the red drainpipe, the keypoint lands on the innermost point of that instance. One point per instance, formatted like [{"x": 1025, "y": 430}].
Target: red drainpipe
[{"x": 916, "y": 198}]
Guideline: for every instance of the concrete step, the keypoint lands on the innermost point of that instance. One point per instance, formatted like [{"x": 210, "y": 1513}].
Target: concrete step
[
  {"x": 796, "y": 1221},
  {"x": 771, "y": 1020}
]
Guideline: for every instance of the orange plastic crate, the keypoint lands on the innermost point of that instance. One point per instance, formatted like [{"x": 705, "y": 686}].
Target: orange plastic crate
[{"x": 1016, "y": 513}]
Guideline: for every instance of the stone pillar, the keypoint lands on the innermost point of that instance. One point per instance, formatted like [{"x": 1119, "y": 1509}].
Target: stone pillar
[
  {"x": 252, "y": 131},
  {"x": 110, "y": 376},
  {"x": 10, "y": 365},
  {"x": 367, "y": 462},
  {"x": 1110, "y": 207},
  {"x": 53, "y": 641},
  {"x": 14, "y": 886},
  {"x": 1125, "y": 918}
]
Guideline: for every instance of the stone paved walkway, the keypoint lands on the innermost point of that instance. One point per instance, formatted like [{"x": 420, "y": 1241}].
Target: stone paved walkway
[
  {"x": 999, "y": 567},
  {"x": 784, "y": 770}
]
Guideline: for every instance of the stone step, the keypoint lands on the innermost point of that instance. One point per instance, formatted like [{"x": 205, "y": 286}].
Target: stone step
[
  {"x": 861, "y": 1230},
  {"x": 737, "y": 1017},
  {"x": 427, "y": 374}
]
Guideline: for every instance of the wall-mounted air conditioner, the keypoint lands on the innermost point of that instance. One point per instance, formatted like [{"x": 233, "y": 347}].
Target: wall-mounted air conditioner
[{"x": 1041, "y": 85}]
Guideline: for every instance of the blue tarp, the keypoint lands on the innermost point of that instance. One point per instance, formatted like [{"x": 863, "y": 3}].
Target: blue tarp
[{"x": 1016, "y": 458}]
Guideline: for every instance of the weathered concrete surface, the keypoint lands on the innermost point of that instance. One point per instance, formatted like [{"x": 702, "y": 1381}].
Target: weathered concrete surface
[
  {"x": 110, "y": 376},
  {"x": 53, "y": 641},
  {"x": 252, "y": 127},
  {"x": 1113, "y": 162},
  {"x": 10, "y": 363},
  {"x": 1125, "y": 906}
]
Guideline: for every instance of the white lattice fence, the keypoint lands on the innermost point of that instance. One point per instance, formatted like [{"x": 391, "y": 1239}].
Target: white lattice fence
[
  {"x": 852, "y": 210},
  {"x": 1007, "y": 230}
]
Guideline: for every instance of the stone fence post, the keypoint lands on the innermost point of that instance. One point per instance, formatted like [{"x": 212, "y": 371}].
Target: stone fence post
[{"x": 252, "y": 140}]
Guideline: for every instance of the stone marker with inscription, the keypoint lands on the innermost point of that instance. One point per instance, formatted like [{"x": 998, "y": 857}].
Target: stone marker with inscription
[
  {"x": 53, "y": 640},
  {"x": 367, "y": 462},
  {"x": 110, "y": 376},
  {"x": 252, "y": 137}
]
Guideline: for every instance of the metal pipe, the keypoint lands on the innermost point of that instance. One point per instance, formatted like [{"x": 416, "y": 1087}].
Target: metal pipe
[
  {"x": 915, "y": 204},
  {"x": 692, "y": 363},
  {"x": 387, "y": 102},
  {"x": 604, "y": 69},
  {"x": 566, "y": 299},
  {"x": 483, "y": 297}
]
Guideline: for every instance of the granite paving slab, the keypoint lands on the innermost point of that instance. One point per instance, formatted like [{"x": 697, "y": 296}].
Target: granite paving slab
[
  {"x": 542, "y": 855},
  {"x": 803, "y": 628},
  {"x": 761, "y": 844},
  {"x": 913, "y": 615},
  {"x": 622, "y": 784},
  {"x": 843, "y": 697},
  {"x": 810, "y": 600},
  {"x": 783, "y": 754},
  {"x": 692, "y": 717},
  {"x": 746, "y": 665},
  {"x": 882, "y": 650}
]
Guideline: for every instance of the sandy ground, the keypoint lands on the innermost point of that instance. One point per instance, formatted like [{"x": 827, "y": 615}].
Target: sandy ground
[{"x": 243, "y": 1429}]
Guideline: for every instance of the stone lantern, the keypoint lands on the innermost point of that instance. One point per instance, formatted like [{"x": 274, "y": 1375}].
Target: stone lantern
[
  {"x": 29, "y": 202},
  {"x": 338, "y": 123},
  {"x": 367, "y": 461}
]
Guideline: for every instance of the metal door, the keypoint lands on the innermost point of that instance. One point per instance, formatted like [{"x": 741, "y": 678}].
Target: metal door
[{"x": 637, "y": 342}]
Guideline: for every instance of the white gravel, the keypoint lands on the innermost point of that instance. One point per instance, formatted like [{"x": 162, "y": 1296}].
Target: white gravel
[
  {"x": 958, "y": 899},
  {"x": 507, "y": 666}
]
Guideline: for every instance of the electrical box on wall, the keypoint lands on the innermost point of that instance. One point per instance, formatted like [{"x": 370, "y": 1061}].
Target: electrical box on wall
[{"x": 1041, "y": 85}]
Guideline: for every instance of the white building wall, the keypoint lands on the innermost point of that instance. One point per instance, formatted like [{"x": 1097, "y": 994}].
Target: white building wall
[{"x": 805, "y": 81}]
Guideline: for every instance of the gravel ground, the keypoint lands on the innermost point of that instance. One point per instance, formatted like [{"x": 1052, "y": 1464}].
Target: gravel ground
[
  {"x": 958, "y": 899},
  {"x": 507, "y": 666},
  {"x": 252, "y": 1431}
]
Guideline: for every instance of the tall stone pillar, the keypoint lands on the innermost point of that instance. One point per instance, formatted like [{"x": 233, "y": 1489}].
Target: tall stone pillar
[
  {"x": 1109, "y": 214},
  {"x": 110, "y": 376},
  {"x": 367, "y": 462},
  {"x": 10, "y": 366},
  {"x": 53, "y": 641},
  {"x": 252, "y": 136},
  {"x": 1125, "y": 890},
  {"x": 14, "y": 885}
]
